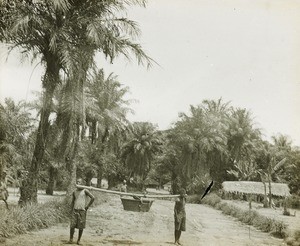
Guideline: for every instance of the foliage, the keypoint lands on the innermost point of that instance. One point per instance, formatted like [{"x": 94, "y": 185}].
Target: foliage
[
  {"x": 202, "y": 147},
  {"x": 293, "y": 173},
  {"x": 243, "y": 136},
  {"x": 198, "y": 184},
  {"x": 244, "y": 142},
  {"x": 293, "y": 202},
  {"x": 140, "y": 149},
  {"x": 274, "y": 161},
  {"x": 64, "y": 35},
  {"x": 212, "y": 199},
  {"x": 244, "y": 171},
  {"x": 106, "y": 112},
  {"x": 31, "y": 217},
  {"x": 55, "y": 28},
  {"x": 16, "y": 136},
  {"x": 193, "y": 199}
]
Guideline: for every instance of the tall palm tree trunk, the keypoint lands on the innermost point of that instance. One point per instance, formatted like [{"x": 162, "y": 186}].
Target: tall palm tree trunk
[
  {"x": 99, "y": 175},
  {"x": 28, "y": 191},
  {"x": 52, "y": 180},
  {"x": 88, "y": 178},
  {"x": 270, "y": 192},
  {"x": 265, "y": 195},
  {"x": 70, "y": 161}
]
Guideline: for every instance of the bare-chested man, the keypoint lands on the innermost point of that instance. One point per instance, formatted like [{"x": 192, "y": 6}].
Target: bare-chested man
[{"x": 79, "y": 206}]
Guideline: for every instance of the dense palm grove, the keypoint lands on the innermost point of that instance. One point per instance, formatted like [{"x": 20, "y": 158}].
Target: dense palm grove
[{"x": 78, "y": 126}]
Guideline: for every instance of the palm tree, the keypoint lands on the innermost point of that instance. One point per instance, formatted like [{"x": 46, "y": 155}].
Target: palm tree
[
  {"x": 217, "y": 114},
  {"x": 278, "y": 156},
  {"x": 293, "y": 174},
  {"x": 106, "y": 112},
  {"x": 243, "y": 137},
  {"x": 140, "y": 149},
  {"x": 16, "y": 139},
  {"x": 53, "y": 32},
  {"x": 202, "y": 139},
  {"x": 244, "y": 170}
]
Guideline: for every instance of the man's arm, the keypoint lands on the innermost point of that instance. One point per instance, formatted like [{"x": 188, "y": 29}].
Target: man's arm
[
  {"x": 89, "y": 194},
  {"x": 176, "y": 207},
  {"x": 72, "y": 202}
]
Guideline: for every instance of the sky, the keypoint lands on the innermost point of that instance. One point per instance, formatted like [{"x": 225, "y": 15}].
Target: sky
[{"x": 245, "y": 51}]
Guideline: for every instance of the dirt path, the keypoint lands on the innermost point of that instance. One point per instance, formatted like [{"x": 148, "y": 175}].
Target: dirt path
[{"x": 109, "y": 224}]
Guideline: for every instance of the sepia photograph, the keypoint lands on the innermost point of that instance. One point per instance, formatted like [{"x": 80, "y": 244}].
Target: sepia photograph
[{"x": 150, "y": 122}]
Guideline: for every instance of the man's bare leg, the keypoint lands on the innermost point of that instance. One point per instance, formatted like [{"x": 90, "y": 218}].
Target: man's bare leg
[
  {"x": 72, "y": 231},
  {"x": 178, "y": 236},
  {"x": 79, "y": 236}
]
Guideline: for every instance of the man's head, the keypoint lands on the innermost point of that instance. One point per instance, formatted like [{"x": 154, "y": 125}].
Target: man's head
[
  {"x": 79, "y": 181},
  {"x": 124, "y": 181},
  {"x": 182, "y": 192}
]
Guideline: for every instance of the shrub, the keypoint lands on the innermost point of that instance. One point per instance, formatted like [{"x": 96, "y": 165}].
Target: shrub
[
  {"x": 219, "y": 205},
  {"x": 297, "y": 235},
  {"x": 19, "y": 220},
  {"x": 193, "y": 199},
  {"x": 266, "y": 224},
  {"x": 279, "y": 229},
  {"x": 212, "y": 199},
  {"x": 226, "y": 209},
  {"x": 293, "y": 202}
]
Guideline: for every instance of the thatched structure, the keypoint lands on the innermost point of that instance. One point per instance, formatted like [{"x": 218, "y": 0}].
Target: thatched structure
[
  {"x": 167, "y": 186},
  {"x": 255, "y": 188}
]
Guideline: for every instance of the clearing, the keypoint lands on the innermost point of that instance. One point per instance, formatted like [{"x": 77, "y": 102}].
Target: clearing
[{"x": 108, "y": 224}]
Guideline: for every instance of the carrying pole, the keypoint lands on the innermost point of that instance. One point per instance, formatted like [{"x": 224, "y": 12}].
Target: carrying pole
[{"x": 125, "y": 193}]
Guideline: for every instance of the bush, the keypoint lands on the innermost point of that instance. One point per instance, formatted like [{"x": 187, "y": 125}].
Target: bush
[
  {"x": 279, "y": 229},
  {"x": 293, "y": 202},
  {"x": 226, "y": 209},
  {"x": 265, "y": 224},
  {"x": 193, "y": 199},
  {"x": 212, "y": 199},
  {"x": 297, "y": 235},
  {"x": 19, "y": 220}
]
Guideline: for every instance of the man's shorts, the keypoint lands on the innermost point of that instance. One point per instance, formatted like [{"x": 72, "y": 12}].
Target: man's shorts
[
  {"x": 78, "y": 219},
  {"x": 180, "y": 223}
]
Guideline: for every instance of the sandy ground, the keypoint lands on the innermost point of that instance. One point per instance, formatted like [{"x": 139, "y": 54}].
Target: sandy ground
[{"x": 109, "y": 224}]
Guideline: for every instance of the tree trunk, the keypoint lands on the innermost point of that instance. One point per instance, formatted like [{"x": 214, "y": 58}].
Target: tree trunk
[
  {"x": 270, "y": 193},
  {"x": 174, "y": 184},
  {"x": 28, "y": 189},
  {"x": 71, "y": 186},
  {"x": 94, "y": 130},
  {"x": 52, "y": 180},
  {"x": 2, "y": 168},
  {"x": 265, "y": 196},
  {"x": 112, "y": 181},
  {"x": 70, "y": 161},
  {"x": 88, "y": 178},
  {"x": 29, "y": 185},
  {"x": 99, "y": 176},
  {"x": 51, "y": 79}
]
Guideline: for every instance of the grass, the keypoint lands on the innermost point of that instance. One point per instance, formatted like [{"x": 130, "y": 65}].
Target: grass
[
  {"x": 19, "y": 220},
  {"x": 250, "y": 217}
]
